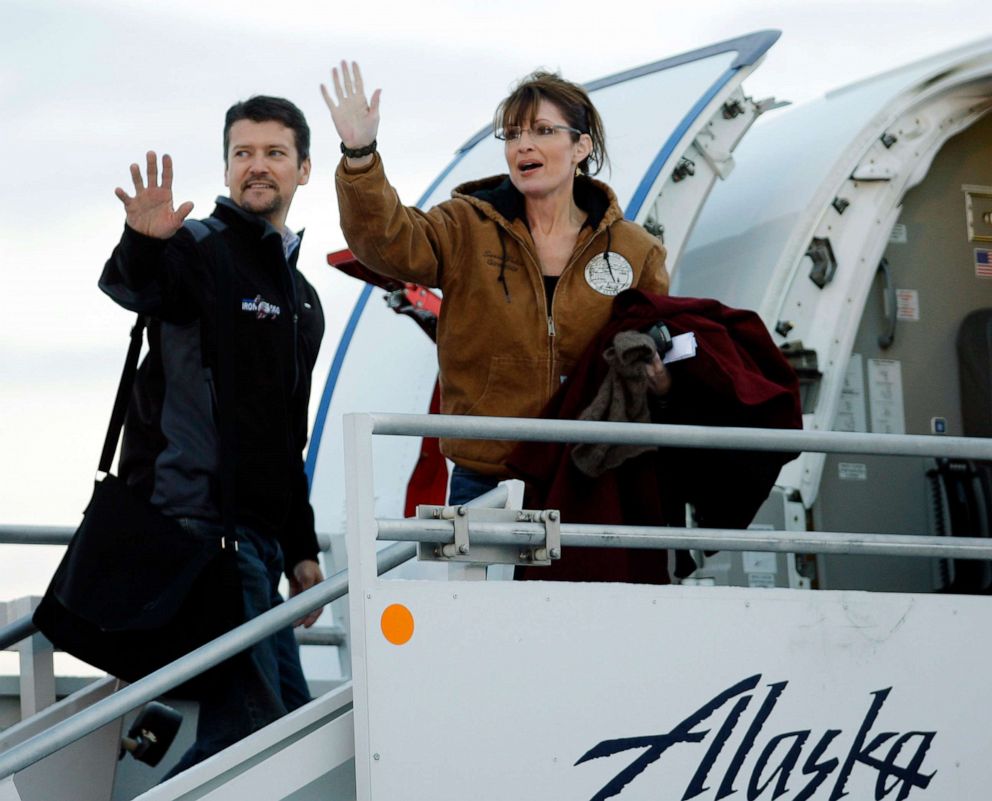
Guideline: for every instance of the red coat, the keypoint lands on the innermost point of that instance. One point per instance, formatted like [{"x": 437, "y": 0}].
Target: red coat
[{"x": 738, "y": 377}]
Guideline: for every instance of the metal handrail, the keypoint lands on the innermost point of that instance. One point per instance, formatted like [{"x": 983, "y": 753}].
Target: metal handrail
[
  {"x": 18, "y": 630},
  {"x": 185, "y": 668},
  {"x": 206, "y": 656},
  {"x": 321, "y": 635},
  {"x": 750, "y": 439},
  {"x": 578, "y": 535},
  {"x": 60, "y": 535},
  {"x": 517, "y": 429},
  {"x": 21, "y": 629},
  {"x": 35, "y": 535},
  {"x": 679, "y": 436}
]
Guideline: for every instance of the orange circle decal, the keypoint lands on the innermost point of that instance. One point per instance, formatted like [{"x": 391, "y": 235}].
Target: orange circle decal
[{"x": 397, "y": 624}]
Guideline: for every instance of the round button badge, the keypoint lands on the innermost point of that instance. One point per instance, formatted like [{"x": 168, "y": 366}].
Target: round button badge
[{"x": 609, "y": 276}]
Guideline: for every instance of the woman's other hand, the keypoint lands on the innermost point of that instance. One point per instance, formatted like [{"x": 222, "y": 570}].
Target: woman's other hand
[
  {"x": 659, "y": 379},
  {"x": 356, "y": 119}
]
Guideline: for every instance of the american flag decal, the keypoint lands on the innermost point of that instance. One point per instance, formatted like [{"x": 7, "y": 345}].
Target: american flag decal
[{"x": 983, "y": 263}]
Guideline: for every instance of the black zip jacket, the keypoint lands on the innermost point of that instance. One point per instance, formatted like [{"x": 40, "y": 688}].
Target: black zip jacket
[{"x": 171, "y": 451}]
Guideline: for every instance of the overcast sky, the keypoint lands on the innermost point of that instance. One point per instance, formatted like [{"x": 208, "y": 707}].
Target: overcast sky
[{"x": 87, "y": 87}]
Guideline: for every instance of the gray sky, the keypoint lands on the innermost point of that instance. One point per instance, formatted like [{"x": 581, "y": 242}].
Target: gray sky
[{"x": 86, "y": 87}]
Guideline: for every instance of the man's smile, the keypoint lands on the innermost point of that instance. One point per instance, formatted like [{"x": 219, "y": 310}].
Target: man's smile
[{"x": 257, "y": 184}]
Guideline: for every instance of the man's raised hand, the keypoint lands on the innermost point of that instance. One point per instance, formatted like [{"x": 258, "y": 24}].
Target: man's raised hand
[
  {"x": 356, "y": 119},
  {"x": 150, "y": 211}
]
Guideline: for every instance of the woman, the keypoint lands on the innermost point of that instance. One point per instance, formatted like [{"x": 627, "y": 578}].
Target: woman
[{"x": 528, "y": 262}]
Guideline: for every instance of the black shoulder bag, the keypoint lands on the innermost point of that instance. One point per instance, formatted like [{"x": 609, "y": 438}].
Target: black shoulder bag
[{"x": 136, "y": 590}]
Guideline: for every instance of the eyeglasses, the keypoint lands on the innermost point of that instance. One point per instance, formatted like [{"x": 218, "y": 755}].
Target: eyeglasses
[{"x": 512, "y": 133}]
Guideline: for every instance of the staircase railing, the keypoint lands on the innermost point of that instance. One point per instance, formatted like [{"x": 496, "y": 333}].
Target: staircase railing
[{"x": 196, "y": 662}]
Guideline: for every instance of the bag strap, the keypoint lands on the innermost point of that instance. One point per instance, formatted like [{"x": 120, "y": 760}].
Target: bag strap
[
  {"x": 123, "y": 395},
  {"x": 130, "y": 371}
]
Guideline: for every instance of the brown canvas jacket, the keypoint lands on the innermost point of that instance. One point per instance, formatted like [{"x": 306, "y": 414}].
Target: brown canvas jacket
[{"x": 500, "y": 353}]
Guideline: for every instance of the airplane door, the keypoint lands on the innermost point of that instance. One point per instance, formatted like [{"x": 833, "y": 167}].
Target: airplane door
[{"x": 934, "y": 278}]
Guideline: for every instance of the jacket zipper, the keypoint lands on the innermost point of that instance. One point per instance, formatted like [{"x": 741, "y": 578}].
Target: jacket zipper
[
  {"x": 294, "y": 301},
  {"x": 550, "y": 386},
  {"x": 553, "y": 381},
  {"x": 296, "y": 359},
  {"x": 552, "y": 331}
]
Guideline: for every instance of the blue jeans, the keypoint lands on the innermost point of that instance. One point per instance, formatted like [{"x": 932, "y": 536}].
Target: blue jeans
[
  {"x": 269, "y": 682},
  {"x": 467, "y": 484}
]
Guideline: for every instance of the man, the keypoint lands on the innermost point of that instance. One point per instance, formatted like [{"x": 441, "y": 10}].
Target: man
[{"x": 231, "y": 278}]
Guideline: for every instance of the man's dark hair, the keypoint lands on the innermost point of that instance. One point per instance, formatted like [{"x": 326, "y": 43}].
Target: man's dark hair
[{"x": 262, "y": 108}]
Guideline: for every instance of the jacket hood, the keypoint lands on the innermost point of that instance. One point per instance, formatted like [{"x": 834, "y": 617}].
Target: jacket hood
[{"x": 500, "y": 200}]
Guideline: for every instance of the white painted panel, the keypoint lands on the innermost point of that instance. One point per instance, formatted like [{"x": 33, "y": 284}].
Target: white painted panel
[{"x": 495, "y": 696}]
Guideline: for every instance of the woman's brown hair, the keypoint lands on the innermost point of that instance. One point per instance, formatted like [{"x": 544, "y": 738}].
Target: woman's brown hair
[{"x": 570, "y": 99}]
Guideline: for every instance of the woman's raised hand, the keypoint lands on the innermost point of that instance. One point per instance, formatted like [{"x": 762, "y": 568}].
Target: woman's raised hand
[
  {"x": 150, "y": 211},
  {"x": 356, "y": 118}
]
